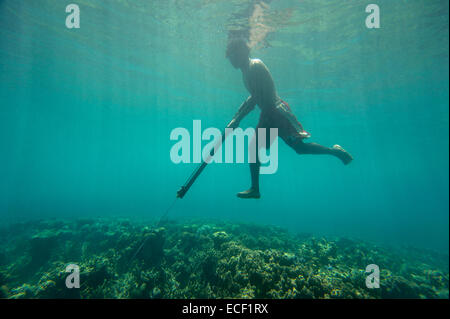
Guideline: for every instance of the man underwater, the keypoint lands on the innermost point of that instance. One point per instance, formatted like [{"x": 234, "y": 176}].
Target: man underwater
[{"x": 275, "y": 113}]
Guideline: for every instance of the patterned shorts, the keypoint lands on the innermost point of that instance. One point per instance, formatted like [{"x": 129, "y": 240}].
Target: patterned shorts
[{"x": 281, "y": 117}]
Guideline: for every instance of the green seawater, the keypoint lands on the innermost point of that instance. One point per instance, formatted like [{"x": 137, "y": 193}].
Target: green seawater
[{"x": 85, "y": 122}]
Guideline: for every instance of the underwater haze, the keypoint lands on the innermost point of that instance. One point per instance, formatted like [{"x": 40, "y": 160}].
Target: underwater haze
[{"x": 86, "y": 114}]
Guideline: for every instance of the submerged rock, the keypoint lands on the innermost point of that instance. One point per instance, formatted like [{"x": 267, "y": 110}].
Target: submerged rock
[
  {"x": 220, "y": 237},
  {"x": 399, "y": 287},
  {"x": 151, "y": 250},
  {"x": 204, "y": 230},
  {"x": 41, "y": 247},
  {"x": 223, "y": 260},
  {"x": 4, "y": 293},
  {"x": 156, "y": 293}
]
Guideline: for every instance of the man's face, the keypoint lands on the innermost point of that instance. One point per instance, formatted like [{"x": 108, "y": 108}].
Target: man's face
[{"x": 234, "y": 59}]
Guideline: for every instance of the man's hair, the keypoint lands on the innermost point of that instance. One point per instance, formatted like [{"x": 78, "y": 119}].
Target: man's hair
[{"x": 238, "y": 45}]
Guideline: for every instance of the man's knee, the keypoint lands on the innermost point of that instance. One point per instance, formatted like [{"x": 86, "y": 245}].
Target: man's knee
[{"x": 298, "y": 146}]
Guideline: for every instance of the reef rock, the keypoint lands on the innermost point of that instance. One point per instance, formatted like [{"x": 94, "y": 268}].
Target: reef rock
[{"x": 152, "y": 250}]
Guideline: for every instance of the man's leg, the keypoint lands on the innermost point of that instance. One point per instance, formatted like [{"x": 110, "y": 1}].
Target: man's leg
[
  {"x": 253, "y": 191},
  {"x": 313, "y": 148}
]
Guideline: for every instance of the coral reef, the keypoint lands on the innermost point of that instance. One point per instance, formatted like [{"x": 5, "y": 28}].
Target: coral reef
[{"x": 118, "y": 258}]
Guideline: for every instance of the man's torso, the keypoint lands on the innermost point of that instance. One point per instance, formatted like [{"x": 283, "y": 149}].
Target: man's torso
[{"x": 260, "y": 84}]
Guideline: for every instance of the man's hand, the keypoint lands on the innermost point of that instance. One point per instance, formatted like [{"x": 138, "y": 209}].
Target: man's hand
[{"x": 244, "y": 109}]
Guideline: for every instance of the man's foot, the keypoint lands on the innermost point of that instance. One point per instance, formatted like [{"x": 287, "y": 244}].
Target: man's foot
[
  {"x": 345, "y": 156},
  {"x": 251, "y": 193}
]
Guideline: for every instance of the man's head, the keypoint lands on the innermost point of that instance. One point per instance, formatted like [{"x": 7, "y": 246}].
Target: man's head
[{"x": 238, "y": 52}]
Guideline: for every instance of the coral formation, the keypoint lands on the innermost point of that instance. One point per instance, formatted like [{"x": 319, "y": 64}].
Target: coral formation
[{"x": 118, "y": 258}]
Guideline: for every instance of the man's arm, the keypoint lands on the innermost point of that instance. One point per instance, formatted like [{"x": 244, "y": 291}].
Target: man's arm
[{"x": 244, "y": 109}]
